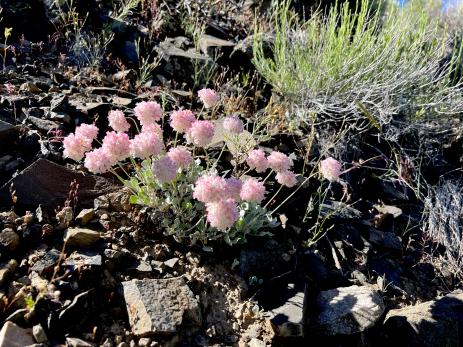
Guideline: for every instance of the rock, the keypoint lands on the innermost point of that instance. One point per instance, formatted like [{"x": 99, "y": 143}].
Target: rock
[
  {"x": 12, "y": 335},
  {"x": 256, "y": 343},
  {"x": 207, "y": 43},
  {"x": 120, "y": 201},
  {"x": 347, "y": 310},
  {"x": 171, "y": 262},
  {"x": 287, "y": 320},
  {"x": 85, "y": 216},
  {"x": 78, "y": 312},
  {"x": 47, "y": 183},
  {"x": 30, "y": 87},
  {"x": 47, "y": 262},
  {"x": 109, "y": 91},
  {"x": 81, "y": 237},
  {"x": 386, "y": 240},
  {"x": 160, "y": 305},
  {"x": 176, "y": 47},
  {"x": 39, "y": 334},
  {"x": 9, "y": 239},
  {"x": 435, "y": 323},
  {"x": 78, "y": 259},
  {"x": 43, "y": 124},
  {"x": 6, "y": 270},
  {"x": 59, "y": 103},
  {"x": 76, "y": 342},
  {"x": 8, "y": 133},
  {"x": 263, "y": 262}
]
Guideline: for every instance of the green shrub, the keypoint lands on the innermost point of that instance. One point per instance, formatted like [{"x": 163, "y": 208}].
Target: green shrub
[{"x": 361, "y": 65}]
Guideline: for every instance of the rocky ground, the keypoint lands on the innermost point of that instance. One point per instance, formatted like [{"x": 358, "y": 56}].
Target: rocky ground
[{"x": 81, "y": 266}]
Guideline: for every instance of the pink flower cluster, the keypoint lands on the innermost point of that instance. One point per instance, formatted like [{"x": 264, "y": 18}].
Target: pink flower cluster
[
  {"x": 116, "y": 145},
  {"x": 201, "y": 133},
  {"x": 146, "y": 144},
  {"x": 181, "y": 120},
  {"x": 277, "y": 161},
  {"x": 117, "y": 121},
  {"x": 220, "y": 195},
  {"x": 233, "y": 124},
  {"x": 148, "y": 112},
  {"x": 208, "y": 97},
  {"x": 198, "y": 132},
  {"x": 77, "y": 144},
  {"x": 330, "y": 169}
]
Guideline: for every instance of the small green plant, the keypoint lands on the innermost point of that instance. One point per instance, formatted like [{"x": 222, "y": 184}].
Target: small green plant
[{"x": 390, "y": 64}]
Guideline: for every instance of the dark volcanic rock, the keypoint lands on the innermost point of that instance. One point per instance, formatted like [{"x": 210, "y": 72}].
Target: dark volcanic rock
[
  {"x": 436, "y": 323},
  {"x": 47, "y": 184}
]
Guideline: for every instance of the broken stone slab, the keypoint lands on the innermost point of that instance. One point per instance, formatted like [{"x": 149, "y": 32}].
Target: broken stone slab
[
  {"x": 435, "y": 323},
  {"x": 206, "y": 42},
  {"x": 46, "y": 262},
  {"x": 347, "y": 310},
  {"x": 13, "y": 335},
  {"x": 46, "y": 183},
  {"x": 43, "y": 124},
  {"x": 160, "y": 306},
  {"x": 81, "y": 237},
  {"x": 288, "y": 319},
  {"x": 88, "y": 258}
]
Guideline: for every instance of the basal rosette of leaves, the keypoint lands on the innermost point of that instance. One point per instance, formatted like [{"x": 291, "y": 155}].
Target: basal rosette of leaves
[{"x": 200, "y": 200}]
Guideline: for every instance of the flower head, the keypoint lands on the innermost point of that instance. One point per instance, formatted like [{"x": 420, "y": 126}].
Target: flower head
[
  {"x": 201, "y": 133},
  {"x": 181, "y": 120},
  {"x": 180, "y": 156},
  {"x": 164, "y": 169},
  {"x": 210, "y": 188},
  {"x": 117, "y": 145},
  {"x": 286, "y": 178},
  {"x": 75, "y": 146},
  {"x": 279, "y": 161},
  {"x": 256, "y": 160},
  {"x": 222, "y": 214},
  {"x": 233, "y": 124},
  {"x": 88, "y": 131},
  {"x": 234, "y": 186},
  {"x": 152, "y": 128},
  {"x": 148, "y": 112},
  {"x": 145, "y": 144},
  {"x": 117, "y": 121},
  {"x": 209, "y": 97},
  {"x": 253, "y": 190},
  {"x": 330, "y": 169},
  {"x": 98, "y": 161}
]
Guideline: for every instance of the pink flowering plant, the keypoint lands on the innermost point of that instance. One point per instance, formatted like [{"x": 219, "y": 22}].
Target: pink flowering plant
[{"x": 182, "y": 178}]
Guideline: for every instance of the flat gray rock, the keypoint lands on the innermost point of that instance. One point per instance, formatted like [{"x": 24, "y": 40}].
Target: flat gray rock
[
  {"x": 12, "y": 335},
  {"x": 435, "y": 323},
  {"x": 160, "y": 306},
  {"x": 347, "y": 310}
]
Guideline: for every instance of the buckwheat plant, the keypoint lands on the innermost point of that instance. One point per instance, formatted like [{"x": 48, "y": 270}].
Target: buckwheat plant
[{"x": 180, "y": 178}]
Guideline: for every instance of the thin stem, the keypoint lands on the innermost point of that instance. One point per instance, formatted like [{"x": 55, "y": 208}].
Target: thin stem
[
  {"x": 273, "y": 197},
  {"x": 292, "y": 194},
  {"x": 268, "y": 176},
  {"x": 220, "y": 154}
]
